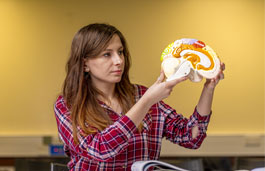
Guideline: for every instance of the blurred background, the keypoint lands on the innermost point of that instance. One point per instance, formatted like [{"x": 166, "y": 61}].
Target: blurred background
[{"x": 35, "y": 39}]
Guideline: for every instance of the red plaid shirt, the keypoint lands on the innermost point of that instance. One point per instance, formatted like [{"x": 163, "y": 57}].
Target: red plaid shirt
[{"x": 120, "y": 145}]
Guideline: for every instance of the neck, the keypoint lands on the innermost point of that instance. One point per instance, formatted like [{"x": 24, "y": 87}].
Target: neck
[{"x": 108, "y": 91}]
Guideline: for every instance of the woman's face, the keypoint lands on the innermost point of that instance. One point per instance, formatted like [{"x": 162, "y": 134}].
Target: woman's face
[{"x": 108, "y": 66}]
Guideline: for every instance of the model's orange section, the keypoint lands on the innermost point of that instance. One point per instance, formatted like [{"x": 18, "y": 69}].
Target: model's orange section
[{"x": 193, "y": 58}]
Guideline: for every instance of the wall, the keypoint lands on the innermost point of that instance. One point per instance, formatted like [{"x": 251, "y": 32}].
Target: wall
[{"x": 35, "y": 38}]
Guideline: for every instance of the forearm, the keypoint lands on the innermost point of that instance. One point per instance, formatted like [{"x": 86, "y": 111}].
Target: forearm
[
  {"x": 204, "y": 105},
  {"x": 157, "y": 92},
  {"x": 101, "y": 146},
  {"x": 139, "y": 110},
  {"x": 181, "y": 130}
]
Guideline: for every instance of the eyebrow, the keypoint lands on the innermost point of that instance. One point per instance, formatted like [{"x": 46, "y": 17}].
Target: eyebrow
[{"x": 111, "y": 49}]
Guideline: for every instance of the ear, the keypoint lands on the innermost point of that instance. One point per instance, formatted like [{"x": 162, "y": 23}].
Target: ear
[{"x": 86, "y": 68}]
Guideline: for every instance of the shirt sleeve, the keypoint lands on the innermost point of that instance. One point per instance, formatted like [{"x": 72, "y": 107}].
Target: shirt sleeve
[
  {"x": 178, "y": 129},
  {"x": 100, "y": 146}
]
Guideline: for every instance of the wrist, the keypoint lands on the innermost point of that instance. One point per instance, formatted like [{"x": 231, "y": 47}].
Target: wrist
[
  {"x": 208, "y": 88},
  {"x": 146, "y": 101}
]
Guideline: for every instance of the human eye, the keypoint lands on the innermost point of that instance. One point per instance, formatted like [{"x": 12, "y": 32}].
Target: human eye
[
  {"x": 106, "y": 54},
  {"x": 120, "y": 52}
]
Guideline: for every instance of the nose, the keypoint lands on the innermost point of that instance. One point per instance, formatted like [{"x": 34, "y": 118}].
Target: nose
[{"x": 117, "y": 59}]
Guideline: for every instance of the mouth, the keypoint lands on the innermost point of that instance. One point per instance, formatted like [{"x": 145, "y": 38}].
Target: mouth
[{"x": 118, "y": 72}]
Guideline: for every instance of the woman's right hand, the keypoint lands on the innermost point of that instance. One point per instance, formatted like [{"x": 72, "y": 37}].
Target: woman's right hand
[{"x": 161, "y": 89}]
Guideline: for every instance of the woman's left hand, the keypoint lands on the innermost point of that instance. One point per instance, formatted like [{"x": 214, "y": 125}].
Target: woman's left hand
[{"x": 211, "y": 83}]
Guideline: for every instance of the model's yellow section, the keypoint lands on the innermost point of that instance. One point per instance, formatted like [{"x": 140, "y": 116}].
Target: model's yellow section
[{"x": 35, "y": 38}]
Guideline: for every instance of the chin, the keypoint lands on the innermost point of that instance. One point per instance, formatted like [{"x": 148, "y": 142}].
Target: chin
[{"x": 117, "y": 80}]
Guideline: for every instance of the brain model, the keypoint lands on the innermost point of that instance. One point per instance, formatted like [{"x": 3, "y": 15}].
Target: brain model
[{"x": 189, "y": 57}]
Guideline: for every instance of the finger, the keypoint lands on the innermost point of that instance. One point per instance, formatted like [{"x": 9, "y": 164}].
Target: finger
[
  {"x": 222, "y": 76},
  {"x": 222, "y": 66},
  {"x": 161, "y": 77},
  {"x": 215, "y": 81},
  {"x": 172, "y": 83}
]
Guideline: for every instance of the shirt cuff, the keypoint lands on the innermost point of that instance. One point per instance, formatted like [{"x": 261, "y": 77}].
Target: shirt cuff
[{"x": 201, "y": 118}]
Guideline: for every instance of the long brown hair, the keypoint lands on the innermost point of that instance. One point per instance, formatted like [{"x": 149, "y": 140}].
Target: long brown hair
[{"x": 78, "y": 90}]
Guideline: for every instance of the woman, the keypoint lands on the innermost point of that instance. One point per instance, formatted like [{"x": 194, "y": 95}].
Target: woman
[{"x": 108, "y": 123}]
